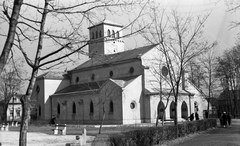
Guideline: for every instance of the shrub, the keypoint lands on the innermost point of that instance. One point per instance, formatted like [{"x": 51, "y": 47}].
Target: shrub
[{"x": 157, "y": 135}]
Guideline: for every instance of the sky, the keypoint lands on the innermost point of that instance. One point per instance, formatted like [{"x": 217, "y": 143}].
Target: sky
[{"x": 217, "y": 28}]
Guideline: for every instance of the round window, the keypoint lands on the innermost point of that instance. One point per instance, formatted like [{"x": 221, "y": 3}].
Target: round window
[
  {"x": 132, "y": 105},
  {"x": 131, "y": 70},
  {"x": 164, "y": 71}
]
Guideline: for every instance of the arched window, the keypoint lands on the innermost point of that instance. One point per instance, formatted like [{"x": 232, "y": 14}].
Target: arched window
[
  {"x": 74, "y": 108},
  {"x": 58, "y": 108},
  {"x": 96, "y": 34},
  {"x": 108, "y": 33},
  {"x": 117, "y": 35},
  {"x": 39, "y": 110},
  {"x": 111, "y": 107},
  {"x": 113, "y": 33},
  {"x": 100, "y": 33},
  {"x": 91, "y": 107},
  {"x": 172, "y": 110},
  {"x": 161, "y": 107},
  {"x": 184, "y": 110},
  {"x": 92, "y": 35}
]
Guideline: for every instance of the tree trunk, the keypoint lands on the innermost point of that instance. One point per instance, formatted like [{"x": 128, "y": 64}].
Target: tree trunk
[
  {"x": 5, "y": 107},
  {"x": 26, "y": 105},
  {"x": 11, "y": 33},
  {"x": 176, "y": 117},
  {"x": 103, "y": 117},
  {"x": 26, "y": 100}
]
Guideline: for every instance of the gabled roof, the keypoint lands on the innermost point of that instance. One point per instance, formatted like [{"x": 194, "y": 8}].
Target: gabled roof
[
  {"x": 123, "y": 82},
  {"x": 51, "y": 75},
  {"x": 115, "y": 58}
]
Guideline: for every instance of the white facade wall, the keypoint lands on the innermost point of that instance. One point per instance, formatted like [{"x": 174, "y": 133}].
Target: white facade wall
[
  {"x": 51, "y": 86},
  {"x": 132, "y": 94},
  {"x": 119, "y": 71}
]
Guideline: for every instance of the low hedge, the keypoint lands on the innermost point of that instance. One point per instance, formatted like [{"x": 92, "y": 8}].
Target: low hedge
[{"x": 148, "y": 136}]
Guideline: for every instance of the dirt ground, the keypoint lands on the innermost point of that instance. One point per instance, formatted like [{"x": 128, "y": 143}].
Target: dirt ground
[{"x": 11, "y": 138}]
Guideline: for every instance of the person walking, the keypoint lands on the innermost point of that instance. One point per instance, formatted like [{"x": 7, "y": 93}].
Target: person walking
[
  {"x": 229, "y": 119},
  {"x": 196, "y": 116},
  {"x": 191, "y": 117},
  {"x": 224, "y": 118}
]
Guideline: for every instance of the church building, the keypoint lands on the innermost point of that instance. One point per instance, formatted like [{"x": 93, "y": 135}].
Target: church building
[{"x": 114, "y": 83}]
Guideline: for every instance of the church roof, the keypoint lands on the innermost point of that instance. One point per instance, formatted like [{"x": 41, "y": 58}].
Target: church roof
[
  {"x": 108, "y": 22},
  {"x": 115, "y": 58},
  {"x": 82, "y": 87},
  {"x": 85, "y": 87},
  {"x": 51, "y": 75},
  {"x": 123, "y": 82}
]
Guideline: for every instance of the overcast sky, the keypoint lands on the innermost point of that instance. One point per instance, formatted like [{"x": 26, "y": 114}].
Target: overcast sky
[{"x": 217, "y": 27}]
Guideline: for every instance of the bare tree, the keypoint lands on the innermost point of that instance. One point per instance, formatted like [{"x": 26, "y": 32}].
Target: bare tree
[
  {"x": 209, "y": 81},
  {"x": 11, "y": 84},
  {"x": 228, "y": 71},
  {"x": 65, "y": 30},
  {"x": 13, "y": 21},
  {"x": 180, "y": 40}
]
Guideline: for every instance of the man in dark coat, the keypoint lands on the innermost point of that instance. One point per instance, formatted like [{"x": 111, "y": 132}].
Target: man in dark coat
[
  {"x": 196, "y": 116},
  {"x": 191, "y": 117},
  {"x": 224, "y": 119},
  {"x": 229, "y": 119}
]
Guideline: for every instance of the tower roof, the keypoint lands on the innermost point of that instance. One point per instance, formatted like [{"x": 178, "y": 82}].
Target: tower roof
[
  {"x": 115, "y": 58},
  {"x": 107, "y": 22}
]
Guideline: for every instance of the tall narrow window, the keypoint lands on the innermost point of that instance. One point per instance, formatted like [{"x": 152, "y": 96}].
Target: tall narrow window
[
  {"x": 39, "y": 110},
  {"x": 74, "y": 108},
  {"x": 113, "y": 33},
  {"x": 96, "y": 34},
  {"x": 117, "y": 34},
  {"x": 111, "y": 107},
  {"x": 92, "y": 35},
  {"x": 91, "y": 107},
  {"x": 58, "y": 108},
  {"x": 100, "y": 33},
  {"x": 108, "y": 33}
]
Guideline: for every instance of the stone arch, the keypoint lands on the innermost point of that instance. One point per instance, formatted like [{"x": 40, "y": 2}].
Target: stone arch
[
  {"x": 108, "y": 33},
  {"x": 113, "y": 34},
  {"x": 172, "y": 110},
  {"x": 117, "y": 35},
  {"x": 184, "y": 110}
]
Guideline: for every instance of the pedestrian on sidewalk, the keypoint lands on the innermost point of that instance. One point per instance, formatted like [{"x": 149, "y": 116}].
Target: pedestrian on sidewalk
[
  {"x": 196, "y": 116},
  {"x": 191, "y": 117},
  {"x": 229, "y": 119},
  {"x": 224, "y": 119}
]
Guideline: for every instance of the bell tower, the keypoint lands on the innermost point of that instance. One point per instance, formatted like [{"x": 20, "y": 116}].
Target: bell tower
[{"x": 105, "y": 38}]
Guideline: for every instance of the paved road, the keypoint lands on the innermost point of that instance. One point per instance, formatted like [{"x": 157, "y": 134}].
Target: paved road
[{"x": 229, "y": 136}]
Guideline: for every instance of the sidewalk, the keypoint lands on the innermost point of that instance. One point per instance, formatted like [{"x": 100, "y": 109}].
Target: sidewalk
[{"x": 229, "y": 136}]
